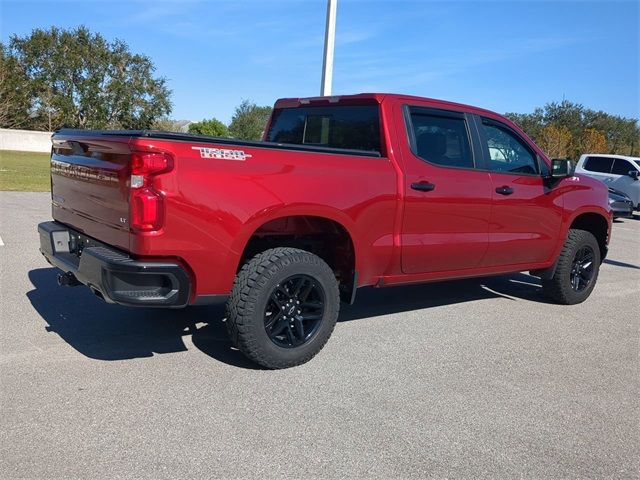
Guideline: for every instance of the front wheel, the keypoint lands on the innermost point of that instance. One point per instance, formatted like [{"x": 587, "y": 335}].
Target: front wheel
[
  {"x": 283, "y": 307},
  {"x": 576, "y": 271}
]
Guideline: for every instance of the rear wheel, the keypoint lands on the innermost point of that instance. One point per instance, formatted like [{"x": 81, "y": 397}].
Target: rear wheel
[
  {"x": 576, "y": 271},
  {"x": 283, "y": 307}
]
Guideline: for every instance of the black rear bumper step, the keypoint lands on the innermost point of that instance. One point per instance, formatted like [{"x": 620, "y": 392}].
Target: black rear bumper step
[{"x": 113, "y": 274}]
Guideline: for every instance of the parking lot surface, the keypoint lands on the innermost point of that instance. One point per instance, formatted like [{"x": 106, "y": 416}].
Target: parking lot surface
[{"x": 473, "y": 378}]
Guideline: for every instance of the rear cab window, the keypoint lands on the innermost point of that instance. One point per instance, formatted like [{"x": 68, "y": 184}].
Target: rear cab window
[
  {"x": 347, "y": 127},
  {"x": 598, "y": 164}
]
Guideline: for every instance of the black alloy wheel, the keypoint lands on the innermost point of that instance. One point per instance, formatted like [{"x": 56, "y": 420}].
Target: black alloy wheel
[
  {"x": 576, "y": 270},
  {"x": 582, "y": 269},
  {"x": 283, "y": 307},
  {"x": 294, "y": 311}
]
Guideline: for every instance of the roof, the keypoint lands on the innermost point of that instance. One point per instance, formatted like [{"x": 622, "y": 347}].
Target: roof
[
  {"x": 612, "y": 155},
  {"x": 378, "y": 98}
]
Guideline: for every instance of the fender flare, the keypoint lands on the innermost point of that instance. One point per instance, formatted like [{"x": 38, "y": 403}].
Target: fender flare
[
  {"x": 280, "y": 211},
  {"x": 548, "y": 273}
]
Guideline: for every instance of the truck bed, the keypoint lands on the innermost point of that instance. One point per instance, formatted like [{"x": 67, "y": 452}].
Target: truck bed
[{"x": 187, "y": 137}]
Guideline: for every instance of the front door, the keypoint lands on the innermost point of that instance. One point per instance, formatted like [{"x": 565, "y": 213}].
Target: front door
[
  {"x": 448, "y": 201},
  {"x": 620, "y": 179},
  {"x": 526, "y": 213}
]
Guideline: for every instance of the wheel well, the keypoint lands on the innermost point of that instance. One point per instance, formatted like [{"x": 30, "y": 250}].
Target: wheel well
[
  {"x": 597, "y": 225},
  {"x": 321, "y": 236}
]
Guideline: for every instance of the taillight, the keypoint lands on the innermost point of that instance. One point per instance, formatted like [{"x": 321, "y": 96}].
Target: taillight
[
  {"x": 149, "y": 163},
  {"x": 146, "y": 210},
  {"x": 147, "y": 204}
]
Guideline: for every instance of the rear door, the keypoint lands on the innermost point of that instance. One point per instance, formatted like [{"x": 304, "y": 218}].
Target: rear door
[
  {"x": 89, "y": 185},
  {"x": 447, "y": 198},
  {"x": 525, "y": 213}
]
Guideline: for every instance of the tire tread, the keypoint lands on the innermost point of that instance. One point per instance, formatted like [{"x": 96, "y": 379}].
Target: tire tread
[
  {"x": 241, "y": 306},
  {"x": 557, "y": 288}
]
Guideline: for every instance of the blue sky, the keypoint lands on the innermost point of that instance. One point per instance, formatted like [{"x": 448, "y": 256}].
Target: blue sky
[{"x": 505, "y": 56}]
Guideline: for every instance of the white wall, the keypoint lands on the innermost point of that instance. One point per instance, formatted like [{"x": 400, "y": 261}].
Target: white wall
[{"x": 25, "y": 140}]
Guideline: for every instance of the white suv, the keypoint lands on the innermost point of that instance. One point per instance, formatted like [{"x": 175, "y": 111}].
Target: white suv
[{"x": 616, "y": 171}]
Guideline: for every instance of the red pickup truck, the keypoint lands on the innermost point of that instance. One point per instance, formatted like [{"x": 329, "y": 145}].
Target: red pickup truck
[{"x": 348, "y": 191}]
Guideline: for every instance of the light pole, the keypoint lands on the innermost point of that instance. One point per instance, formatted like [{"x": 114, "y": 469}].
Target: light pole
[{"x": 329, "y": 43}]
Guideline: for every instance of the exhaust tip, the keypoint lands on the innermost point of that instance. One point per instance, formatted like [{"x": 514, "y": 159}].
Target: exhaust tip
[{"x": 67, "y": 279}]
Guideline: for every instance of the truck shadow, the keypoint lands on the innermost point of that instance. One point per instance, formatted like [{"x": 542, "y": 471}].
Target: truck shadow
[
  {"x": 111, "y": 332},
  {"x": 371, "y": 302},
  {"x": 616, "y": 263}
]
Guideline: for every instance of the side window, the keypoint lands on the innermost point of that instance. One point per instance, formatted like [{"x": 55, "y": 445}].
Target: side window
[
  {"x": 598, "y": 164},
  {"x": 507, "y": 153},
  {"x": 622, "y": 167},
  {"x": 441, "y": 140}
]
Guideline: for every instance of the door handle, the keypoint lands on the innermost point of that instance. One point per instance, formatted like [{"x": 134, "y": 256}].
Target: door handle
[
  {"x": 504, "y": 190},
  {"x": 423, "y": 186}
]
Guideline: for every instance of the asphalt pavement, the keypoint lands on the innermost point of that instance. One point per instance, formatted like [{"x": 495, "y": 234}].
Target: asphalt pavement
[{"x": 473, "y": 378}]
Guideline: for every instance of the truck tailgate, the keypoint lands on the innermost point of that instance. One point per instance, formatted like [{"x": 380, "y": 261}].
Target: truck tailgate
[{"x": 89, "y": 186}]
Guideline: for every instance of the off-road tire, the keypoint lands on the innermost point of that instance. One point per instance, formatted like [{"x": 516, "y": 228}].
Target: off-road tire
[
  {"x": 252, "y": 288},
  {"x": 558, "y": 288}
]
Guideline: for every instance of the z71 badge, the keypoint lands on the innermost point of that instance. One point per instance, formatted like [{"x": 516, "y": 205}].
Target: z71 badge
[{"x": 222, "y": 153}]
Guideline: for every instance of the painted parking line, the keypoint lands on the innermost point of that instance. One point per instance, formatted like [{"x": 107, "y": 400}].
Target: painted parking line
[{"x": 1, "y": 242}]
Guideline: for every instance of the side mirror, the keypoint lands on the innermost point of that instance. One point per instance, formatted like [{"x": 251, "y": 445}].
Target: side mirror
[
  {"x": 634, "y": 174},
  {"x": 561, "y": 168}
]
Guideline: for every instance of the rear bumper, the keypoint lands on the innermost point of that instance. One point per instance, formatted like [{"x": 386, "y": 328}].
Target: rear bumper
[{"x": 112, "y": 274}]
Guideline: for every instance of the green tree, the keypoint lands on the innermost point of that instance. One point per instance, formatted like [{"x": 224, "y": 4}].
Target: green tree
[
  {"x": 531, "y": 123},
  {"x": 591, "y": 131},
  {"x": 566, "y": 114},
  {"x": 249, "y": 121},
  {"x": 212, "y": 127},
  {"x": 593, "y": 141},
  {"x": 14, "y": 100},
  {"x": 622, "y": 134},
  {"x": 77, "y": 78},
  {"x": 555, "y": 140}
]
